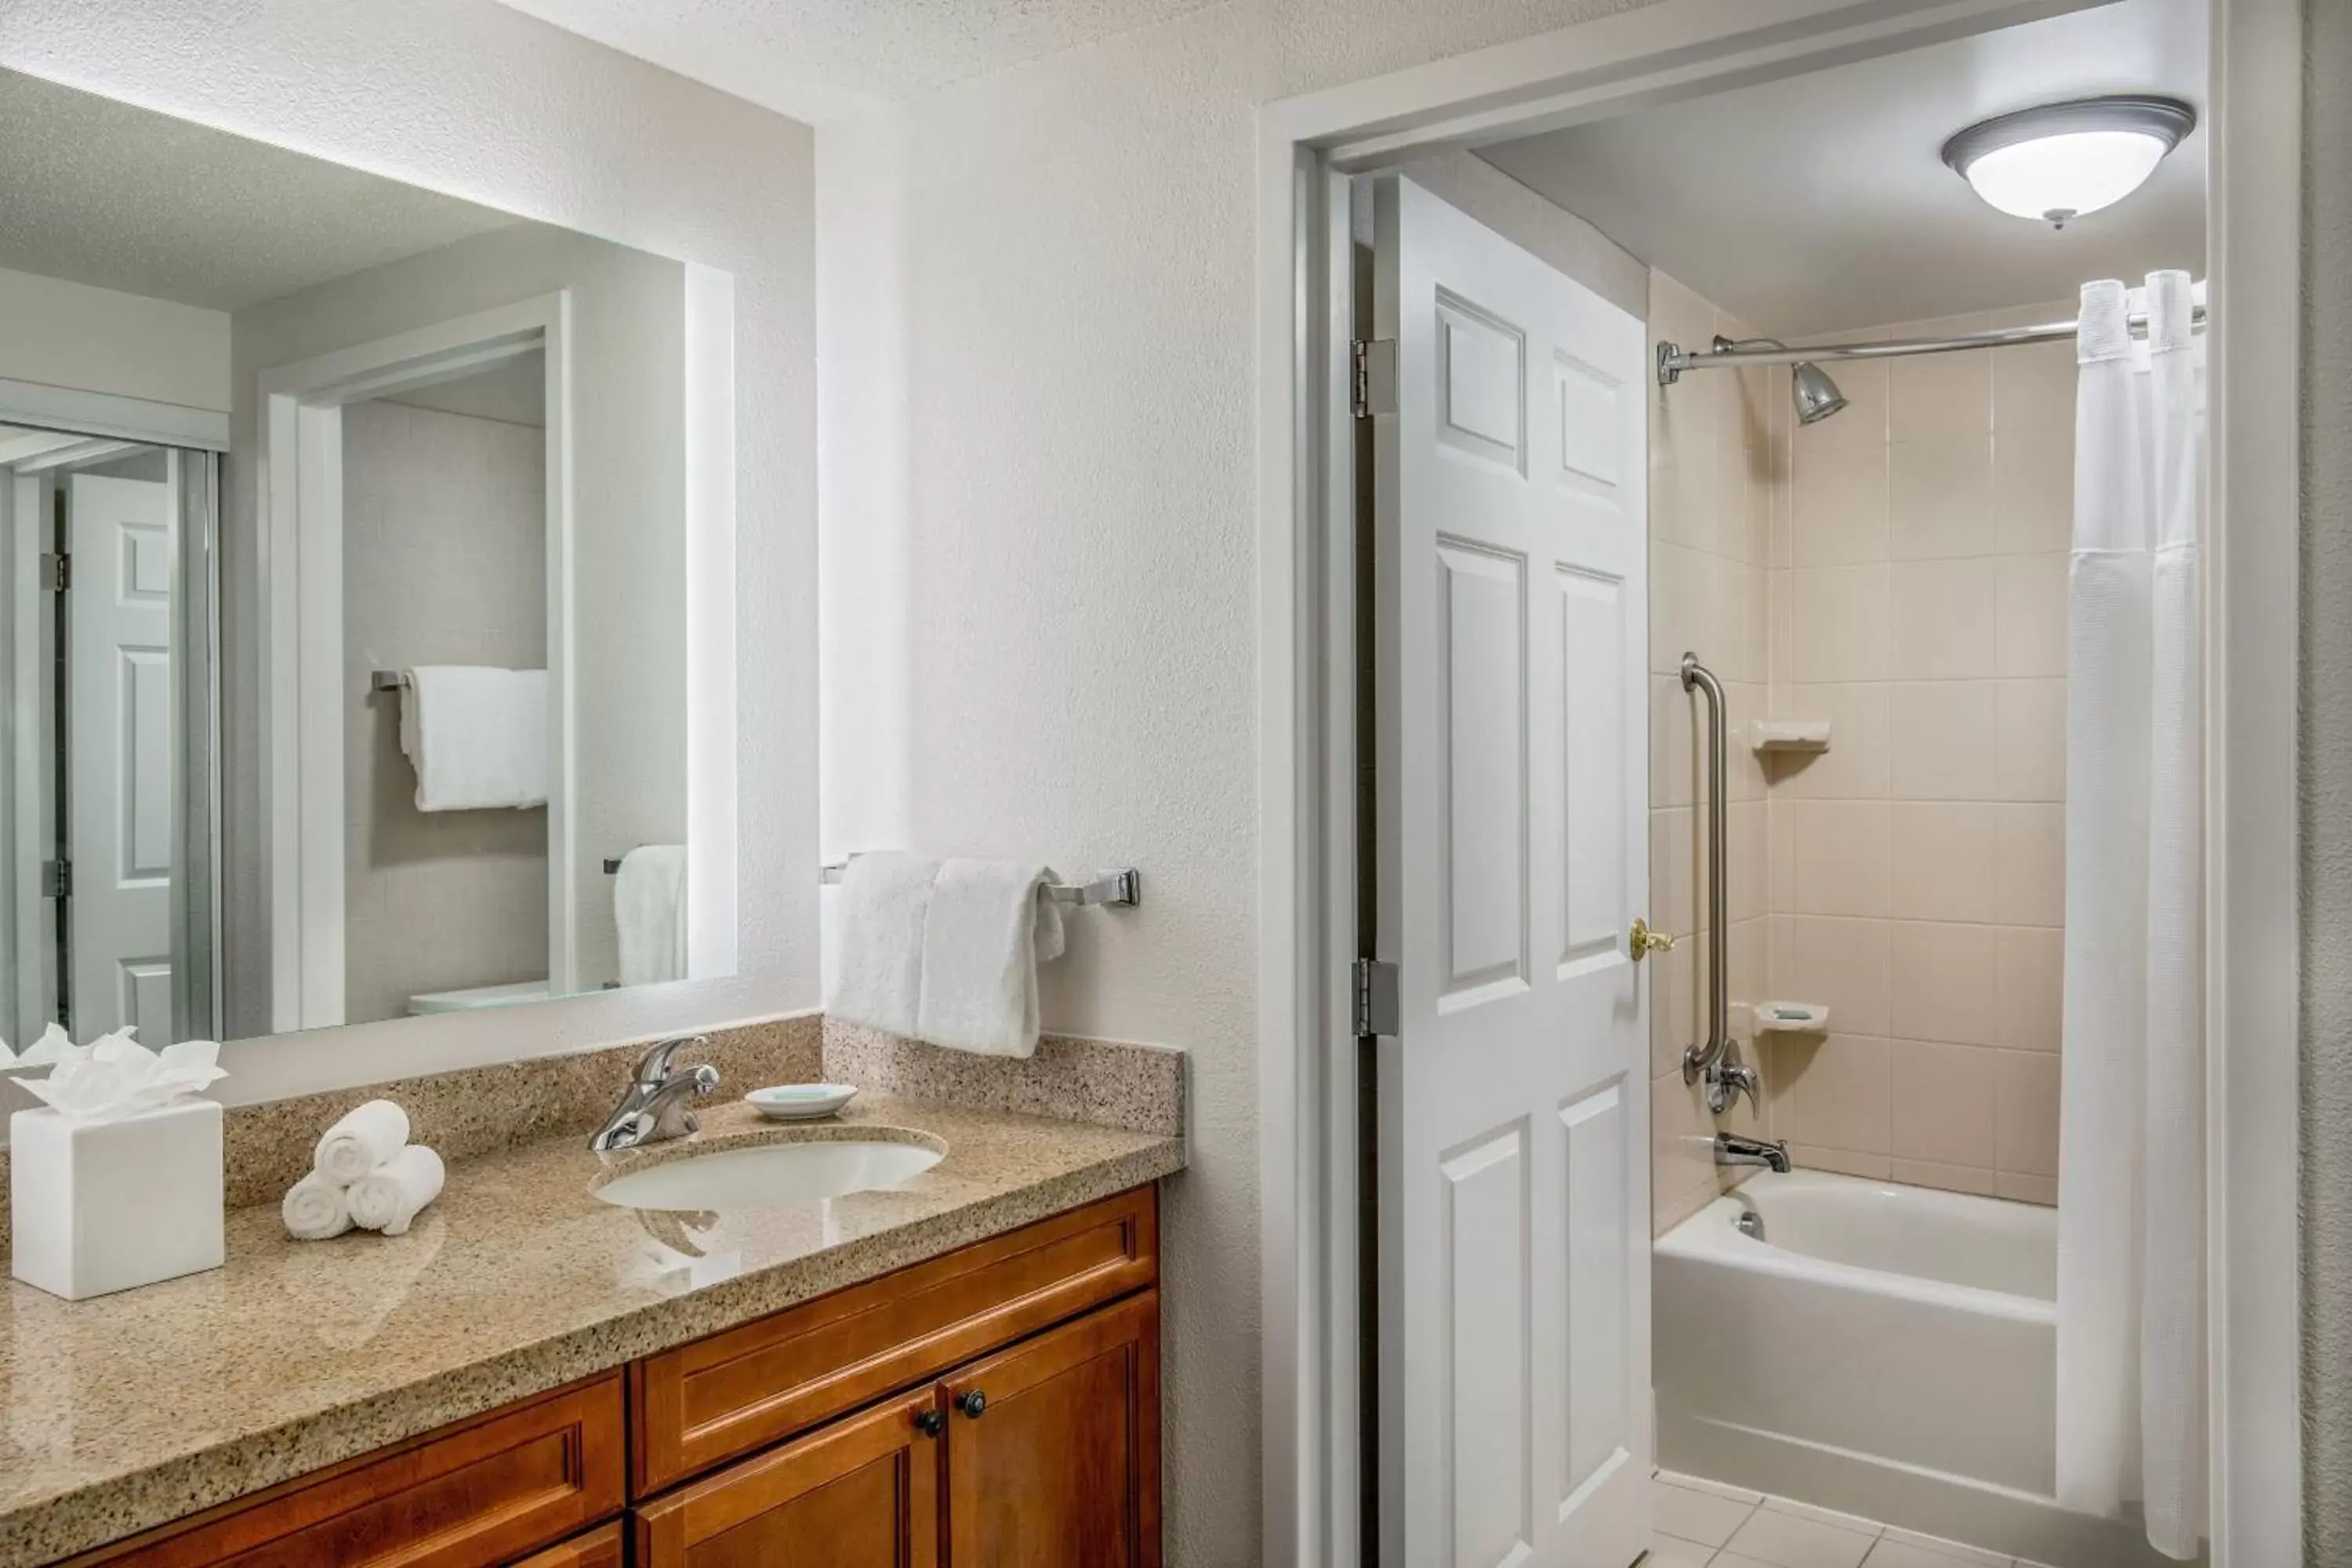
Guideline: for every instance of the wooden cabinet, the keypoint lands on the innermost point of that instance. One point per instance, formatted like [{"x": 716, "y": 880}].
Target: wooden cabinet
[
  {"x": 735, "y": 1392},
  {"x": 1045, "y": 1456},
  {"x": 1054, "y": 1447},
  {"x": 600, "y": 1547},
  {"x": 994, "y": 1408},
  {"x": 861, "y": 1493},
  {"x": 484, "y": 1493}
]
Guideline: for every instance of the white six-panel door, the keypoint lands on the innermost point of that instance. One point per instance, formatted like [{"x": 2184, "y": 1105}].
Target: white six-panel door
[
  {"x": 1512, "y": 762},
  {"x": 119, "y": 736}
]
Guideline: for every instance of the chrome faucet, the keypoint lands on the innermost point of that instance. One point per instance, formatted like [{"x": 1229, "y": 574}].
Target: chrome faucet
[
  {"x": 1729, "y": 1079},
  {"x": 1731, "y": 1149},
  {"x": 654, "y": 1108}
]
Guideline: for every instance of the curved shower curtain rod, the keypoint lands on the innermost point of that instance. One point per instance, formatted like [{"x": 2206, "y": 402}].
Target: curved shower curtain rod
[{"x": 1674, "y": 359}]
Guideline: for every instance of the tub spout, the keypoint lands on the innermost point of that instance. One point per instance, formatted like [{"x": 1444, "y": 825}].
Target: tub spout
[{"x": 1731, "y": 1149}]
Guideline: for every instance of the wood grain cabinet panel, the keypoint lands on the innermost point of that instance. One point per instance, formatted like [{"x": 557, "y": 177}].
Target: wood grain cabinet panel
[
  {"x": 861, "y": 1493},
  {"x": 601, "y": 1548},
  {"x": 703, "y": 1404},
  {"x": 482, "y": 1493},
  {"x": 1054, "y": 1447}
]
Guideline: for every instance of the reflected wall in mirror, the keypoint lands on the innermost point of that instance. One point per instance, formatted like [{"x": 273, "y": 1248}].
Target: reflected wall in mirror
[{"x": 343, "y": 607}]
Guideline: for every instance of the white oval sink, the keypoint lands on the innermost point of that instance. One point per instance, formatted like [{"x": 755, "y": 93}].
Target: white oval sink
[{"x": 769, "y": 1174}]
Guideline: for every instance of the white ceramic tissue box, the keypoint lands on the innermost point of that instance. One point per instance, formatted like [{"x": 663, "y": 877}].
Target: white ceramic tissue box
[{"x": 100, "y": 1206}]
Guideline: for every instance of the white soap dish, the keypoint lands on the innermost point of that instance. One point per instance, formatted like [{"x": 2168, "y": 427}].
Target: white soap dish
[
  {"x": 800, "y": 1101},
  {"x": 1791, "y": 1017},
  {"x": 1791, "y": 734}
]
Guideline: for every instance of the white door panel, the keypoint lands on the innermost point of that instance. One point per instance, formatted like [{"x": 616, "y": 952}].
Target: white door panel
[
  {"x": 119, "y": 732},
  {"x": 1512, "y": 750}
]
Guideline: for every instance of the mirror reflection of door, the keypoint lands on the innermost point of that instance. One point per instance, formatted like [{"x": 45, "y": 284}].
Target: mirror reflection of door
[
  {"x": 105, "y": 761},
  {"x": 119, "y": 742}
]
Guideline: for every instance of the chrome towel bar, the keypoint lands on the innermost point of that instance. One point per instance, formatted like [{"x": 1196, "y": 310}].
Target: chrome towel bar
[{"x": 1118, "y": 886}]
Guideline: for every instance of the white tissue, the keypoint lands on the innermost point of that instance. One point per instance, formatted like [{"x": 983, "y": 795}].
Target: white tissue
[
  {"x": 115, "y": 1076},
  {"x": 54, "y": 1047}
]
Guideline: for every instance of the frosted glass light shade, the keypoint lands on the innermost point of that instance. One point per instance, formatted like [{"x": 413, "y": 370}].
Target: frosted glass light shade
[
  {"x": 2063, "y": 160},
  {"x": 2059, "y": 178}
]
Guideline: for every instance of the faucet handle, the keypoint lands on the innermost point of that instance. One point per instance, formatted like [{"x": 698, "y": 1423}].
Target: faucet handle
[{"x": 654, "y": 1067}]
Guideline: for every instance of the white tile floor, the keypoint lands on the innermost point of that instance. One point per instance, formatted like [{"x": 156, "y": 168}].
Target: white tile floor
[{"x": 1706, "y": 1524}]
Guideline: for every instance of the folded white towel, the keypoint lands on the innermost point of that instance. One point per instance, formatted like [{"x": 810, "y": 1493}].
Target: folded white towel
[
  {"x": 389, "y": 1197},
  {"x": 316, "y": 1208},
  {"x": 649, "y": 912},
  {"x": 362, "y": 1141},
  {"x": 985, "y": 931},
  {"x": 878, "y": 979},
  {"x": 475, "y": 736}
]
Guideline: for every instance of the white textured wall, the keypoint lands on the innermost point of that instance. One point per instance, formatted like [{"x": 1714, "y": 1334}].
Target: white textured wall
[
  {"x": 479, "y": 100},
  {"x": 2326, "y": 823},
  {"x": 1040, "y": 564},
  {"x": 63, "y": 334}
]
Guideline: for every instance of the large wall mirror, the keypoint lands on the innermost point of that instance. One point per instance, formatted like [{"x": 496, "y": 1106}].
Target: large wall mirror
[{"x": 344, "y": 621}]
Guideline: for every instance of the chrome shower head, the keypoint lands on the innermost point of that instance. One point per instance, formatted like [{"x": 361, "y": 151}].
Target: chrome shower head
[
  {"x": 1817, "y": 397},
  {"x": 1809, "y": 387}
]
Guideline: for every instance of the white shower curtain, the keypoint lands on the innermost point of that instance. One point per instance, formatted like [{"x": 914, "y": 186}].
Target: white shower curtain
[{"x": 2131, "y": 1188}]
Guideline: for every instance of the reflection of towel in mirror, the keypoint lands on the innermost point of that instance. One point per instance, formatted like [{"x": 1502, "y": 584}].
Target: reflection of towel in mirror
[
  {"x": 649, "y": 910},
  {"x": 475, "y": 736}
]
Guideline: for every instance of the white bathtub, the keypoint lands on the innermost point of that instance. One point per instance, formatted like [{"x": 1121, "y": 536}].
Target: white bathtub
[{"x": 1884, "y": 1349}]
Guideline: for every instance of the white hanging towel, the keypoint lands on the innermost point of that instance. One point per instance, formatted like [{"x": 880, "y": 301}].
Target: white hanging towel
[
  {"x": 987, "y": 929},
  {"x": 882, "y": 904},
  {"x": 475, "y": 736},
  {"x": 649, "y": 909}
]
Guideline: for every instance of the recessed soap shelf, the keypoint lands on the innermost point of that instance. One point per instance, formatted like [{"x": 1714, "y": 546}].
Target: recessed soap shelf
[
  {"x": 1791, "y": 734},
  {"x": 1792, "y": 1017}
]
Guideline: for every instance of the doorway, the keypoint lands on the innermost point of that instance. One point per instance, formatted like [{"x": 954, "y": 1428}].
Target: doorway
[{"x": 1310, "y": 698}]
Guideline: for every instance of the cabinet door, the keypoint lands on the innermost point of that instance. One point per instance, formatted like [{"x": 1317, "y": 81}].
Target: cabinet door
[
  {"x": 600, "y": 1547},
  {"x": 1054, "y": 1447},
  {"x": 861, "y": 1493}
]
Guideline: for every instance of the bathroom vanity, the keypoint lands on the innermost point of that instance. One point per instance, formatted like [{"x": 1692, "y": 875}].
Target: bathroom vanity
[
  {"x": 536, "y": 1373},
  {"x": 1007, "y": 1392}
]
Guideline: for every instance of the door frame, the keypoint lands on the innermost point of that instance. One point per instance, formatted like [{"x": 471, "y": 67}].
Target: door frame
[
  {"x": 299, "y": 521},
  {"x": 1306, "y": 872}
]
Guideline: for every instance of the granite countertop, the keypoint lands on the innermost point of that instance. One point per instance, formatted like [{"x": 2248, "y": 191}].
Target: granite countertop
[{"x": 128, "y": 1411}]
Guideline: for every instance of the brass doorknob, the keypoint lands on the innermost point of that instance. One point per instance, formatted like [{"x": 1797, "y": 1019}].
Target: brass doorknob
[{"x": 1645, "y": 942}]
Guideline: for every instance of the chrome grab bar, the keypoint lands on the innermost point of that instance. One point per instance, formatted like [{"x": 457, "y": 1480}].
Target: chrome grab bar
[
  {"x": 1701, "y": 1057},
  {"x": 1717, "y": 1057}
]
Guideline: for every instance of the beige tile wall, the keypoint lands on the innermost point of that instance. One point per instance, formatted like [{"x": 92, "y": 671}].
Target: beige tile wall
[
  {"x": 1918, "y": 595},
  {"x": 1717, "y": 457}
]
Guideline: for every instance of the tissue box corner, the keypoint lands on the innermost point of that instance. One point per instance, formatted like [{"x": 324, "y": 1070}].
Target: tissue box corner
[{"x": 102, "y": 1206}]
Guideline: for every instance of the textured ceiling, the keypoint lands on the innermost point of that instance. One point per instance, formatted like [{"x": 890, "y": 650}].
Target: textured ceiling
[
  {"x": 822, "y": 59},
  {"x": 1820, "y": 201},
  {"x": 121, "y": 198}
]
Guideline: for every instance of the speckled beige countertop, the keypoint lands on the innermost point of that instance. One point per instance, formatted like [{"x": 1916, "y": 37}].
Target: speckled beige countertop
[{"x": 128, "y": 1411}]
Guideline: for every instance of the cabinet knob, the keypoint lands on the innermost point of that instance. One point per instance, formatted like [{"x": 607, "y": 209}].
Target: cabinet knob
[
  {"x": 929, "y": 1422},
  {"x": 973, "y": 1401}
]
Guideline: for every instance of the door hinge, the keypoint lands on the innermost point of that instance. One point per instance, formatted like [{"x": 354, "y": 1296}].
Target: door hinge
[
  {"x": 1373, "y": 385},
  {"x": 57, "y": 878},
  {"x": 56, "y": 573},
  {"x": 1375, "y": 986}
]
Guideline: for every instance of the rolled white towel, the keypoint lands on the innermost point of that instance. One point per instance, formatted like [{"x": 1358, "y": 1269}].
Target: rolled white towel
[
  {"x": 362, "y": 1141},
  {"x": 389, "y": 1197},
  {"x": 316, "y": 1208}
]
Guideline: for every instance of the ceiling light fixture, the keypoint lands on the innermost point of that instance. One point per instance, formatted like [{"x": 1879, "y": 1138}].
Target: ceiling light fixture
[{"x": 2063, "y": 160}]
